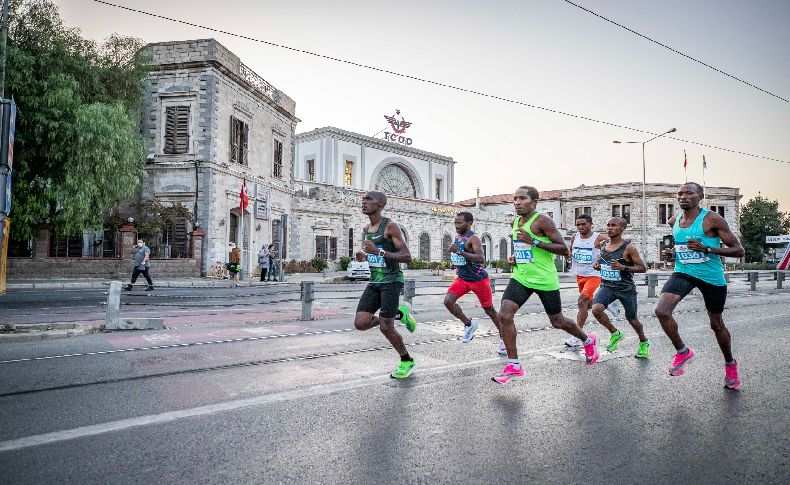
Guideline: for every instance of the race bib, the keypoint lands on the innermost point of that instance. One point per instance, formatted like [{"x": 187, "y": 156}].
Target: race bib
[
  {"x": 376, "y": 261},
  {"x": 583, "y": 255},
  {"x": 522, "y": 252},
  {"x": 457, "y": 259},
  {"x": 688, "y": 256},
  {"x": 609, "y": 274}
]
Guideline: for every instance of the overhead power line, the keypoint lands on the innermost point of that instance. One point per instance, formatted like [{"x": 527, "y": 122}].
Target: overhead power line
[
  {"x": 434, "y": 83},
  {"x": 677, "y": 51}
]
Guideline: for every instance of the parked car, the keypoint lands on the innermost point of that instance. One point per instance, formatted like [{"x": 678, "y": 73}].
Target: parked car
[{"x": 358, "y": 270}]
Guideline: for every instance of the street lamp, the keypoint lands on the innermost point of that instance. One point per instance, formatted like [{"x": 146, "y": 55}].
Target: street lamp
[{"x": 644, "y": 181}]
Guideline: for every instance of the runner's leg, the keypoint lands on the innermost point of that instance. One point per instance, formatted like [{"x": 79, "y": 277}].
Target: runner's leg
[
  {"x": 507, "y": 327},
  {"x": 455, "y": 291},
  {"x": 666, "y": 305}
]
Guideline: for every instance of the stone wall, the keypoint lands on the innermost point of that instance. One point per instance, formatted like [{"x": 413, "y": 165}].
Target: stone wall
[{"x": 30, "y": 268}]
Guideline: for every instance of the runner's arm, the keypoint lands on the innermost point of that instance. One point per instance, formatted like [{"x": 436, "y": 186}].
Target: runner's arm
[
  {"x": 636, "y": 264},
  {"x": 477, "y": 255},
  {"x": 402, "y": 253},
  {"x": 722, "y": 229},
  {"x": 557, "y": 244}
]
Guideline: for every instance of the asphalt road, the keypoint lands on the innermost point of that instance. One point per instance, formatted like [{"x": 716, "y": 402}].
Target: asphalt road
[{"x": 283, "y": 401}]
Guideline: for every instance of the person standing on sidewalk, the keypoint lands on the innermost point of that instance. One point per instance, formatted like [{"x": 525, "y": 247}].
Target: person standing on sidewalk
[
  {"x": 535, "y": 242},
  {"x": 699, "y": 234},
  {"x": 273, "y": 269},
  {"x": 466, "y": 254},
  {"x": 142, "y": 254},
  {"x": 263, "y": 261},
  {"x": 234, "y": 264},
  {"x": 618, "y": 261},
  {"x": 384, "y": 248},
  {"x": 585, "y": 247}
]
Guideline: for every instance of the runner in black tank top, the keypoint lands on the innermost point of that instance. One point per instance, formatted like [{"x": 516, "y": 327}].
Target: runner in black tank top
[
  {"x": 384, "y": 249},
  {"x": 617, "y": 262},
  {"x": 466, "y": 254}
]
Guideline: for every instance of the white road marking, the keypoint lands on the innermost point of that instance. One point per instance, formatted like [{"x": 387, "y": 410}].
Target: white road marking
[{"x": 291, "y": 395}]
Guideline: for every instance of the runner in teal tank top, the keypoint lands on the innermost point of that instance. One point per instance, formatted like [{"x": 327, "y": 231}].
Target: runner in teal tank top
[
  {"x": 535, "y": 242},
  {"x": 384, "y": 248},
  {"x": 699, "y": 234}
]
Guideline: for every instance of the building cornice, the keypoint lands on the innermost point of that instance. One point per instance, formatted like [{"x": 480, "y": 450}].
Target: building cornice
[{"x": 371, "y": 142}]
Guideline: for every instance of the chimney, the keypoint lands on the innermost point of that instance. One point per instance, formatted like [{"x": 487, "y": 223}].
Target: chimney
[{"x": 477, "y": 199}]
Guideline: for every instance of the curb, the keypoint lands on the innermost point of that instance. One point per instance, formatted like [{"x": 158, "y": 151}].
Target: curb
[{"x": 51, "y": 331}]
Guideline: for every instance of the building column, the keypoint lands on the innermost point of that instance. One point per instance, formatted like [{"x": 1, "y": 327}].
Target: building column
[{"x": 128, "y": 240}]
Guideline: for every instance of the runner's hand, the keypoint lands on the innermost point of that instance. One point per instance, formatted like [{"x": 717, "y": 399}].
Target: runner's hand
[
  {"x": 370, "y": 248},
  {"x": 511, "y": 259},
  {"x": 361, "y": 256},
  {"x": 596, "y": 266},
  {"x": 453, "y": 248},
  {"x": 696, "y": 245},
  {"x": 524, "y": 236},
  {"x": 617, "y": 265}
]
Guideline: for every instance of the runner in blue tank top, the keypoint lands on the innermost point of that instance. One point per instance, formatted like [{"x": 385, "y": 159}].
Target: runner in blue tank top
[
  {"x": 698, "y": 236},
  {"x": 466, "y": 254}
]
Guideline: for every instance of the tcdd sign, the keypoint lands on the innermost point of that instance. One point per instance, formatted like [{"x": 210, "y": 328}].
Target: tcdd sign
[{"x": 399, "y": 127}]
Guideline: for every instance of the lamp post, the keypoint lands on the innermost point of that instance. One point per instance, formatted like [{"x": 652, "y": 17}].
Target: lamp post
[{"x": 644, "y": 183}]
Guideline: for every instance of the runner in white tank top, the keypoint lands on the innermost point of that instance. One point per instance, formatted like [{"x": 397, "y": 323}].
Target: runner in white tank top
[{"x": 585, "y": 248}]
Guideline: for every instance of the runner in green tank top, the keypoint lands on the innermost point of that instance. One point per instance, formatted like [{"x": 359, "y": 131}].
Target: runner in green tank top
[
  {"x": 535, "y": 242},
  {"x": 384, "y": 248}
]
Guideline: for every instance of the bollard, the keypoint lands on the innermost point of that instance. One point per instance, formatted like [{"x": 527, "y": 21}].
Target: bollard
[
  {"x": 780, "y": 277},
  {"x": 308, "y": 296},
  {"x": 753, "y": 277},
  {"x": 492, "y": 282},
  {"x": 409, "y": 290},
  {"x": 113, "y": 304},
  {"x": 652, "y": 283}
]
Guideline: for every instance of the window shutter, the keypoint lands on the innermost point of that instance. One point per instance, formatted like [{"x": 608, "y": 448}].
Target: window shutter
[
  {"x": 234, "y": 145},
  {"x": 245, "y": 134},
  {"x": 332, "y": 248},
  {"x": 182, "y": 129},
  {"x": 170, "y": 129}
]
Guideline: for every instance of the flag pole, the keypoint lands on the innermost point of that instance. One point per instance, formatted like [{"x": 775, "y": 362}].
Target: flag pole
[{"x": 685, "y": 165}]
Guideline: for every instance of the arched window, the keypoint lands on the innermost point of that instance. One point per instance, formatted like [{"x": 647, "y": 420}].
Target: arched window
[
  {"x": 446, "y": 241},
  {"x": 393, "y": 179},
  {"x": 504, "y": 246},
  {"x": 425, "y": 247},
  {"x": 486, "y": 243}
]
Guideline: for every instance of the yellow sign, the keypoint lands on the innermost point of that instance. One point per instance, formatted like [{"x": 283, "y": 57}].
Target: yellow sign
[{"x": 444, "y": 210}]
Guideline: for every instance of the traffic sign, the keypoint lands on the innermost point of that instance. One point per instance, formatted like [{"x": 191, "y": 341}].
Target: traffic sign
[{"x": 777, "y": 239}]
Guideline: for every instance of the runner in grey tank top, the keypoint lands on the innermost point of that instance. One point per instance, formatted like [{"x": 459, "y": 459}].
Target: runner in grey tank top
[{"x": 618, "y": 261}]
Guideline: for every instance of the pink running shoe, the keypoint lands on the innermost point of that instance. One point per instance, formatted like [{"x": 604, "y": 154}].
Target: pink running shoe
[
  {"x": 591, "y": 350},
  {"x": 510, "y": 372},
  {"x": 731, "y": 380},
  {"x": 678, "y": 367}
]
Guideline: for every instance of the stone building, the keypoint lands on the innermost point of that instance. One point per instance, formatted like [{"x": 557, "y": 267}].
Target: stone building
[{"x": 213, "y": 125}]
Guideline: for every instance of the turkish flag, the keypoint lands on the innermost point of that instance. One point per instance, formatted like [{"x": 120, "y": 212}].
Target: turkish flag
[{"x": 245, "y": 201}]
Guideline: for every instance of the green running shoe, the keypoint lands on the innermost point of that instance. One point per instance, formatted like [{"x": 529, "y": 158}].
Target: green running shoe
[
  {"x": 614, "y": 341},
  {"x": 643, "y": 351},
  {"x": 403, "y": 370},
  {"x": 407, "y": 319}
]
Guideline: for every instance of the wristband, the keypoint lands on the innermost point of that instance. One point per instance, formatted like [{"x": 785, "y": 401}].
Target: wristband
[{"x": 707, "y": 249}]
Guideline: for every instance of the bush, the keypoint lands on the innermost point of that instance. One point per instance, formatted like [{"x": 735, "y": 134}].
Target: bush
[
  {"x": 319, "y": 264},
  {"x": 504, "y": 265},
  {"x": 748, "y": 266},
  {"x": 344, "y": 262},
  {"x": 418, "y": 264},
  {"x": 294, "y": 266}
]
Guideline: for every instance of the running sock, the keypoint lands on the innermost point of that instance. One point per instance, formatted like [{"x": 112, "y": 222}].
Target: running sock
[
  {"x": 515, "y": 363},
  {"x": 399, "y": 315},
  {"x": 732, "y": 362},
  {"x": 683, "y": 350},
  {"x": 406, "y": 358},
  {"x": 468, "y": 324},
  {"x": 588, "y": 341}
]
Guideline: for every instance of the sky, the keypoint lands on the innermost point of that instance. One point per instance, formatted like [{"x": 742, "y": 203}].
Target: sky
[{"x": 540, "y": 52}]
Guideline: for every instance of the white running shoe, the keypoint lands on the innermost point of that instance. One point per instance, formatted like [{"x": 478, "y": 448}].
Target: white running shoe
[
  {"x": 469, "y": 333},
  {"x": 573, "y": 342},
  {"x": 612, "y": 308},
  {"x": 501, "y": 349}
]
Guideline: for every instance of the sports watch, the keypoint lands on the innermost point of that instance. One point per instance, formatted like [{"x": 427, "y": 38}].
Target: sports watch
[{"x": 381, "y": 253}]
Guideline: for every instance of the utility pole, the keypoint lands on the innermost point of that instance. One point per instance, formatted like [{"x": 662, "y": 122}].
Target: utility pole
[
  {"x": 8, "y": 112},
  {"x": 5, "y": 41}
]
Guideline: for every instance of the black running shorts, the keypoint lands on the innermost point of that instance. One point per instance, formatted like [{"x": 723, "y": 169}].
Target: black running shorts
[
  {"x": 519, "y": 294},
  {"x": 384, "y": 296},
  {"x": 681, "y": 284}
]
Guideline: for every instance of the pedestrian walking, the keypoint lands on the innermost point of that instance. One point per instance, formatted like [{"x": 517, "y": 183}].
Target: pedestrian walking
[
  {"x": 263, "y": 261},
  {"x": 273, "y": 269},
  {"x": 142, "y": 254},
  {"x": 234, "y": 265}
]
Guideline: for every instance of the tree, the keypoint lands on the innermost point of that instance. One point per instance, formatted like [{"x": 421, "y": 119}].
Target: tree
[
  {"x": 761, "y": 217},
  {"x": 78, "y": 148}
]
